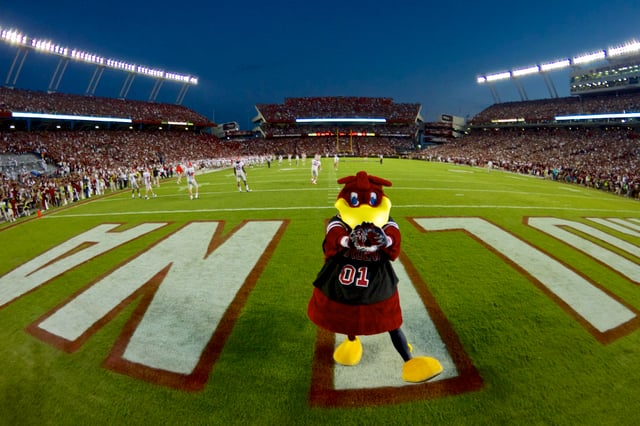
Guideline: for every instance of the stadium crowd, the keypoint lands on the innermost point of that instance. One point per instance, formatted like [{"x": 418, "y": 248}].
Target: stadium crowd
[
  {"x": 602, "y": 158},
  {"x": 87, "y": 163},
  {"x": 290, "y": 129},
  {"x": 338, "y": 107},
  {"x": 277, "y": 122},
  {"x": 545, "y": 110},
  {"x": 61, "y": 103}
]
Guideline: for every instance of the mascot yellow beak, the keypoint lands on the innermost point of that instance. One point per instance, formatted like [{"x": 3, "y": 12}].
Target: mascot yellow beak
[{"x": 354, "y": 216}]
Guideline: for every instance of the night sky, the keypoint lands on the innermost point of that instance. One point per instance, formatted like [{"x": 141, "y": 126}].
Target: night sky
[{"x": 247, "y": 52}]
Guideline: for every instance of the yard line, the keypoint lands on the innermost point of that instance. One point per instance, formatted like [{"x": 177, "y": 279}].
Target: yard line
[{"x": 62, "y": 214}]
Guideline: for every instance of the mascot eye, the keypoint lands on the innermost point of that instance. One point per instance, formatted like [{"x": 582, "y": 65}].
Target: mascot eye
[
  {"x": 373, "y": 200},
  {"x": 354, "y": 199}
]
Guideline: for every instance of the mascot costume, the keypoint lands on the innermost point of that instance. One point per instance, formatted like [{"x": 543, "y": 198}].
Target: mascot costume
[{"x": 355, "y": 292}]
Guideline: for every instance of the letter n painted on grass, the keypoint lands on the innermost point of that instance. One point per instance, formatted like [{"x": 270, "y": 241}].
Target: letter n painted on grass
[{"x": 192, "y": 285}]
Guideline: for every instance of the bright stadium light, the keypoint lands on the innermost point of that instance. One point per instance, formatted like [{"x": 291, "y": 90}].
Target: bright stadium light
[
  {"x": 632, "y": 46},
  {"x": 120, "y": 65},
  {"x": 12, "y": 36},
  {"x": 525, "y": 71},
  {"x": 555, "y": 65},
  {"x": 499, "y": 76},
  {"x": 588, "y": 57}
]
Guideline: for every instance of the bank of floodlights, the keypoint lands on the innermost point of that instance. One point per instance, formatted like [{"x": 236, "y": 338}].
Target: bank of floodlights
[
  {"x": 15, "y": 37},
  {"x": 588, "y": 57},
  {"x": 629, "y": 48},
  {"x": 525, "y": 71}
]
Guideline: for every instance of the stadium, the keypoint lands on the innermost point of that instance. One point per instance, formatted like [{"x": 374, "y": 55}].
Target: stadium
[{"x": 519, "y": 267}]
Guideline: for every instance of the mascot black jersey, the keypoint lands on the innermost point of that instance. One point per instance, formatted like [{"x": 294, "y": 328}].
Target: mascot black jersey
[{"x": 355, "y": 277}]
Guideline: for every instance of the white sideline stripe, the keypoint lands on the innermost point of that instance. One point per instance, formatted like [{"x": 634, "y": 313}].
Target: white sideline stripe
[
  {"x": 570, "y": 189},
  {"x": 381, "y": 364},
  {"x": 63, "y": 215}
]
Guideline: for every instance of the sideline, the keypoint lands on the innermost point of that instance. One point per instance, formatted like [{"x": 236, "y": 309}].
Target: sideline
[{"x": 330, "y": 207}]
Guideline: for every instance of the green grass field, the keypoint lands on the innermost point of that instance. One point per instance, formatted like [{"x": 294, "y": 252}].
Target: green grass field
[{"x": 544, "y": 351}]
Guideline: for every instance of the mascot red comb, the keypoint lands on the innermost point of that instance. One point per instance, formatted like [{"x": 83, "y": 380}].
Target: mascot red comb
[{"x": 355, "y": 292}]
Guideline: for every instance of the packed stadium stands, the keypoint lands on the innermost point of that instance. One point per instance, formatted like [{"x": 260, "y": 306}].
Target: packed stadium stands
[
  {"x": 525, "y": 137},
  {"x": 543, "y": 111},
  {"x": 339, "y": 107},
  {"x": 71, "y": 156},
  {"x": 340, "y": 124},
  {"x": 60, "y": 103},
  {"x": 601, "y": 158}
]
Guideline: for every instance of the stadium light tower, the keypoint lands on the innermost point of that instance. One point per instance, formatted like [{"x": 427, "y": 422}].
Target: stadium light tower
[
  {"x": 25, "y": 44},
  {"x": 545, "y": 68}
]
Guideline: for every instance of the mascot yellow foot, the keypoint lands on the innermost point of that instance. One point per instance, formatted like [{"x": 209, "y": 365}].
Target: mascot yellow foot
[
  {"x": 420, "y": 369},
  {"x": 348, "y": 352}
]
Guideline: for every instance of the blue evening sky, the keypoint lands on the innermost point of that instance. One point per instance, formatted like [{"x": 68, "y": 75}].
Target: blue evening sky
[{"x": 248, "y": 52}]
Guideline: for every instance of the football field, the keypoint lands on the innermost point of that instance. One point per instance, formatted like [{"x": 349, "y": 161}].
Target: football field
[{"x": 121, "y": 310}]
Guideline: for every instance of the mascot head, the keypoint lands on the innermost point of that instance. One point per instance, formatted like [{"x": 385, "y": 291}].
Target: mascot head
[{"x": 362, "y": 200}]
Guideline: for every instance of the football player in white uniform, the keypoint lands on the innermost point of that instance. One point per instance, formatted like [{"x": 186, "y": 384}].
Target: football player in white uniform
[
  {"x": 316, "y": 165},
  {"x": 148, "y": 184},
  {"x": 133, "y": 180},
  {"x": 190, "y": 172},
  {"x": 241, "y": 174}
]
